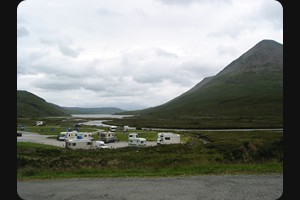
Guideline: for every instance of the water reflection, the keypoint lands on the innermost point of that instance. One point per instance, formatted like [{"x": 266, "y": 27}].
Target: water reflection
[{"x": 98, "y": 122}]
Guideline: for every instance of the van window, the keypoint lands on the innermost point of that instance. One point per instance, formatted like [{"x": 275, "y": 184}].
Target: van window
[{"x": 167, "y": 138}]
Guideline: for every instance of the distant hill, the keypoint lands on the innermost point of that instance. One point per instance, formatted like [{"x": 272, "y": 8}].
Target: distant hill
[
  {"x": 30, "y": 105},
  {"x": 246, "y": 93},
  {"x": 103, "y": 110}
]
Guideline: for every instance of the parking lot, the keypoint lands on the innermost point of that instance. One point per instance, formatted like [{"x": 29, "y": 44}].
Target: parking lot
[{"x": 43, "y": 139}]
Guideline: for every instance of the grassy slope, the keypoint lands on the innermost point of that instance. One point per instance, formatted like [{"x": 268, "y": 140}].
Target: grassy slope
[{"x": 30, "y": 105}]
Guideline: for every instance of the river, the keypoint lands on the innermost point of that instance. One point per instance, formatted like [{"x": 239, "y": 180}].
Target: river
[{"x": 98, "y": 122}]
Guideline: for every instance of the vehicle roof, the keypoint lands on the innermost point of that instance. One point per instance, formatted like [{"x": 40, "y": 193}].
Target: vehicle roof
[
  {"x": 99, "y": 141},
  {"x": 79, "y": 140}
]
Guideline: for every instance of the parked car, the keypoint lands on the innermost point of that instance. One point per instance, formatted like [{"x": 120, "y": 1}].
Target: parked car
[{"x": 19, "y": 134}]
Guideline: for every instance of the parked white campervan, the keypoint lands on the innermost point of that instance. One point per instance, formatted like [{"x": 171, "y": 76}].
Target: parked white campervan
[
  {"x": 79, "y": 144},
  {"x": 70, "y": 135},
  {"x": 85, "y": 135},
  {"x": 127, "y": 128},
  {"x": 113, "y": 128},
  {"x": 168, "y": 138},
  {"x": 39, "y": 123},
  {"x": 61, "y": 136},
  {"x": 108, "y": 137},
  {"x": 100, "y": 145},
  {"x": 134, "y": 140}
]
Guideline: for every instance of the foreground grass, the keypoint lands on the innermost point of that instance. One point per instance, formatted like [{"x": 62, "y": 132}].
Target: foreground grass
[
  {"x": 216, "y": 169},
  {"x": 255, "y": 152}
]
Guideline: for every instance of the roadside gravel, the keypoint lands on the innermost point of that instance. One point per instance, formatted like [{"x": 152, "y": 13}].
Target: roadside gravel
[{"x": 204, "y": 187}]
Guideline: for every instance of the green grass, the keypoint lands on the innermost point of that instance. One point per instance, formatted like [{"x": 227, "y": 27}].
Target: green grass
[{"x": 216, "y": 169}]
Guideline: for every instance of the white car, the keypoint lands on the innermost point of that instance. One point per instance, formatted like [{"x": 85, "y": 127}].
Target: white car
[{"x": 100, "y": 144}]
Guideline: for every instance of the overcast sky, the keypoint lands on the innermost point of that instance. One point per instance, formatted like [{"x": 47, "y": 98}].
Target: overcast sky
[{"x": 133, "y": 54}]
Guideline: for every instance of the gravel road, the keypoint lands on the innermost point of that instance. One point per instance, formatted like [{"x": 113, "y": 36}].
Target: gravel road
[{"x": 204, "y": 187}]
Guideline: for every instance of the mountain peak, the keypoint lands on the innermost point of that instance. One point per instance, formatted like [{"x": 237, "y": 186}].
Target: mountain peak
[
  {"x": 265, "y": 54},
  {"x": 246, "y": 93}
]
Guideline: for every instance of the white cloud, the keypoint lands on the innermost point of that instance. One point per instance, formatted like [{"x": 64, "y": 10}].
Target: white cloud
[{"x": 136, "y": 54}]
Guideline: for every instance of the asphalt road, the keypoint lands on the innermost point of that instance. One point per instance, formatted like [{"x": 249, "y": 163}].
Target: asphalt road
[{"x": 205, "y": 187}]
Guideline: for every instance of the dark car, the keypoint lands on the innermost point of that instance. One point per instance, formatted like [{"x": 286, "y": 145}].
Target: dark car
[{"x": 19, "y": 134}]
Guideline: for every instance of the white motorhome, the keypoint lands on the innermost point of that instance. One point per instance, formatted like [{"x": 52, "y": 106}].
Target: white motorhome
[
  {"x": 134, "y": 140},
  {"x": 39, "y": 123},
  {"x": 69, "y": 135},
  {"x": 100, "y": 145},
  {"x": 108, "y": 137},
  {"x": 79, "y": 144},
  {"x": 113, "y": 128},
  {"x": 85, "y": 135},
  {"x": 61, "y": 136},
  {"x": 168, "y": 138},
  {"x": 127, "y": 128}
]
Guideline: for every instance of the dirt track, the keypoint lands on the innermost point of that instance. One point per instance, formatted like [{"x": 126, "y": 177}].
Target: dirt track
[{"x": 206, "y": 187}]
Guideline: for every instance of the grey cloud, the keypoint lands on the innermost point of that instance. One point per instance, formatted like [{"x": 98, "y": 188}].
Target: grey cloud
[
  {"x": 47, "y": 41},
  {"x": 55, "y": 83},
  {"x": 224, "y": 50},
  {"x": 22, "y": 32},
  {"x": 187, "y": 2},
  {"x": 68, "y": 51},
  {"x": 233, "y": 31},
  {"x": 274, "y": 14},
  {"x": 151, "y": 77},
  {"x": 161, "y": 52},
  {"x": 178, "y": 2},
  {"x": 107, "y": 12},
  {"x": 197, "y": 69}
]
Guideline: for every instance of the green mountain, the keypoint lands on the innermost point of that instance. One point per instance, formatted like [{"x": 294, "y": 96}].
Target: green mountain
[
  {"x": 246, "y": 93},
  {"x": 30, "y": 105},
  {"x": 103, "y": 110}
]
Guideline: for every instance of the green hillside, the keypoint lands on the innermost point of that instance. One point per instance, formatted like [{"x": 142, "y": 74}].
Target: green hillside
[
  {"x": 103, "y": 110},
  {"x": 30, "y": 105},
  {"x": 246, "y": 93}
]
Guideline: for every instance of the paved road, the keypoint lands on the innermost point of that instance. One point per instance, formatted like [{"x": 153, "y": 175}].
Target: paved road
[{"x": 205, "y": 187}]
